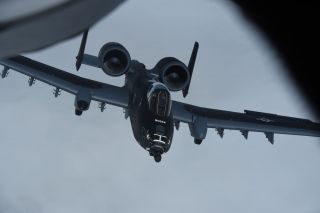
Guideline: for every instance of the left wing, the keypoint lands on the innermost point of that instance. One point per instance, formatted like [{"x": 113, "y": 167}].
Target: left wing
[
  {"x": 82, "y": 88},
  {"x": 199, "y": 119}
]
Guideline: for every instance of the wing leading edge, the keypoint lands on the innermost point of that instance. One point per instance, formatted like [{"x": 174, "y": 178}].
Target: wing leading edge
[
  {"x": 101, "y": 92},
  {"x": 199, "y": 119}
]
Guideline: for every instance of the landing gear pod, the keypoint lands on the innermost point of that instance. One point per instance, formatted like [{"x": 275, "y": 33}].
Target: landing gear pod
[
  {"x": 82, "y": 101},
  {"x": 114, "y": 59}
]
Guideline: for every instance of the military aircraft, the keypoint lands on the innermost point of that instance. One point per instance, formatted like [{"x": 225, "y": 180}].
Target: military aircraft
[{"x": 146, "y": 100}]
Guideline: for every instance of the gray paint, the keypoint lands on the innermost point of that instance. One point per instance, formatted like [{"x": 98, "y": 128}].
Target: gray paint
[{"x": 53, "y": 161}]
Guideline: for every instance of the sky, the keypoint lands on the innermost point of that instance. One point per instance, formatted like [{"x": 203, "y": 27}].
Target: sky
[{"x": 53, "y": 161}]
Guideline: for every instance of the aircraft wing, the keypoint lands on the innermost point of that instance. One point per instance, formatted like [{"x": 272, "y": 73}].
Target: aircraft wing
[
  {"x": 199, "y": 119},
  {"x": 66, "y": 81}
]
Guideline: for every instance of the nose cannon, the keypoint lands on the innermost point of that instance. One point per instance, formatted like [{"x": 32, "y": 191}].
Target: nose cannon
[
  {"x": 156, "y": 151},
  {"x": 157, "y": 158}
]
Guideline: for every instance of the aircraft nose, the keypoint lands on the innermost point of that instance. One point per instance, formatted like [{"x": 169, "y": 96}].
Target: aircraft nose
[{"x": 156, "y": 149}]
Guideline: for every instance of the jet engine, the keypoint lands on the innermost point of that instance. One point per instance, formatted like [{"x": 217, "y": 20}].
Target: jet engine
[
  {"x": 173, "y": 73},
  {"x": 82, "y": 101},
  {"x": 114, "y": 59}
]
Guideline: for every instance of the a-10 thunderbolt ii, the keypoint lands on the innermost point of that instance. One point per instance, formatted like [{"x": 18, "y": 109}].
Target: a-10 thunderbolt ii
[{"x": 146, "y": 98}]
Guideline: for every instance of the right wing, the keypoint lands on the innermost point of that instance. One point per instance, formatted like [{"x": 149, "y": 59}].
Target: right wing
[
  {"x": 200, "y": 119},
  {"x": 101, "y": 92}
]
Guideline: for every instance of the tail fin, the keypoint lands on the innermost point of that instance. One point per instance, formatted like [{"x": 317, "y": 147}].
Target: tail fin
[
  {"x": 191, "y": 66},
  {"x": 81, "y": 50}
]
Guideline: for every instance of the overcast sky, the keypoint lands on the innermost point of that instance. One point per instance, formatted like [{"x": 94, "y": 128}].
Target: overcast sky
[{"x": 52, "y": 161}]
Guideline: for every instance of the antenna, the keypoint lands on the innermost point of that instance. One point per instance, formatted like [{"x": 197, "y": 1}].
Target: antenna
[
  {"x": 191, "y": 64},
  {"x": 81, "y": 50}
]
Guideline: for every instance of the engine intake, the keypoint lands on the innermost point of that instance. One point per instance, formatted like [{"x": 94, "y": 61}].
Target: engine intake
[
  {"x": 173, "y": 73},
  {"x": 114, "y": 59}
]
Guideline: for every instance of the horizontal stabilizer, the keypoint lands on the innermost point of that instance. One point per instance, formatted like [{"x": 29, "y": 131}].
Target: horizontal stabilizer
[
  {"x": 83, "y": 58},
  {"x": 91, "y": 60}
]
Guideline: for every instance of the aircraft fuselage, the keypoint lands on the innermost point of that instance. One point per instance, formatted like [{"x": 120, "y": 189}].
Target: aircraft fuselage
[{"x": 149, "y": 111}]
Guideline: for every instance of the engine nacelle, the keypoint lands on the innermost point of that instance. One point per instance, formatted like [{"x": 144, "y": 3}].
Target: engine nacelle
[
  {"x": 173, "y": 73},
  {"x": 82, "y": 101},
  {"x": 114, "y": 59}
]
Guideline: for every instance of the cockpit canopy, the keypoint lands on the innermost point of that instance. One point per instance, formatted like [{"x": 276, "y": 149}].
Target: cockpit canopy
[{"x": 159, "y": 99}]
